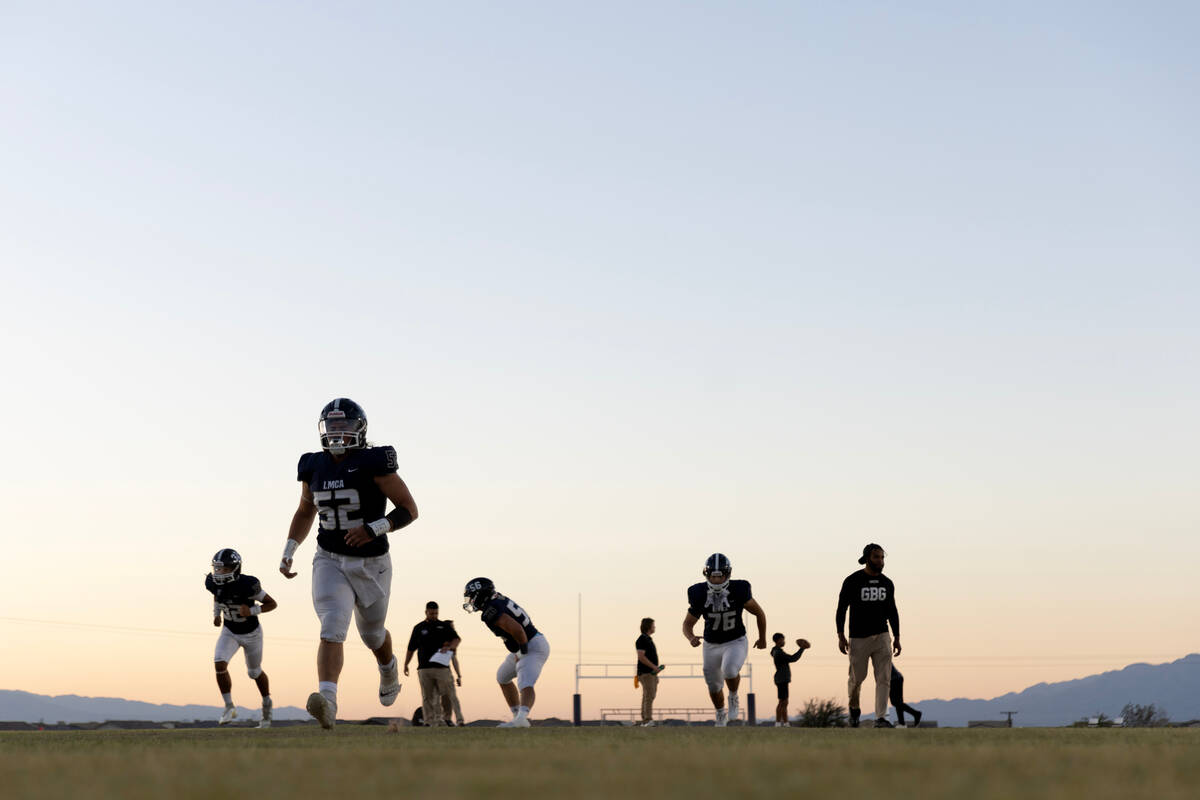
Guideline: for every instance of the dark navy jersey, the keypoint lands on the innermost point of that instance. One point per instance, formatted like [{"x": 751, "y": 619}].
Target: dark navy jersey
[
  {"x": 498, "y": 605},
  {"x": 244, "y": 591},
  {"x": 722, "y": 622},
  {"x": 346, "y": 495}
]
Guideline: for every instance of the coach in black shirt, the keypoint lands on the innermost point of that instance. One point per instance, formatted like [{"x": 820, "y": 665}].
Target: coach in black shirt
[
  {"x": 647, "y": 670},
  {"x": 871, "y": 599},
  {"x": 428, "y": 638}
]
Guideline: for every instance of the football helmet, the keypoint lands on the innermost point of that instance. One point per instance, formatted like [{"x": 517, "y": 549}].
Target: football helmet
[
  {"x": 718, "y": 564},
  {"x": 343, "y": 426},
  {"x": 477, "y": 593},
  {"x": 226, "y": 559}
]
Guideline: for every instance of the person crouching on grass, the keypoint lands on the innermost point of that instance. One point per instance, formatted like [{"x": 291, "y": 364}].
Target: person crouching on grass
[{"x": 783, "y": 675}]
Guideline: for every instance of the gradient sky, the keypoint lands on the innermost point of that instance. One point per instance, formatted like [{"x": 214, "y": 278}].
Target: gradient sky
[{"x": 625, "y": 284}]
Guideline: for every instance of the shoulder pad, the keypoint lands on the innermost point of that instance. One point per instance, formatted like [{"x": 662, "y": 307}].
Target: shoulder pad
[
  {"x": 304, "y": 467},
  {"x": 383, "y": 460},
  {"x": 489, "y": 613},
  {"x": 209, "y": 584}
]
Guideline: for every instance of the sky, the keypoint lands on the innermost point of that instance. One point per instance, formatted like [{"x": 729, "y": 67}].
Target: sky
[{"x": 625, "y": 284}]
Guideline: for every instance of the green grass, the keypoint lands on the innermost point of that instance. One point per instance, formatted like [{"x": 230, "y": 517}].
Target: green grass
[{"x": 547, "y": 763}]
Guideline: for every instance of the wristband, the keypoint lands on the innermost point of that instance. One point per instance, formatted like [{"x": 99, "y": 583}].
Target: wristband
[
  {"x": 379, "y": 527},
  {"x": 255, "y": 610},
  {"x": 289, "y": 549}
]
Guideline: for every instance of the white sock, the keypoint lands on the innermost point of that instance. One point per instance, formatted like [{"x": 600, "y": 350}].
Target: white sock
[
  {"x": 390, "y": 665},
  {"x": 515, "y": 709},
  {"x": 522, "y": 711},
  {"x": 267, "y": 700},
  {"x": 328, "y": 690},
  {"x": 228, "y": 698}
]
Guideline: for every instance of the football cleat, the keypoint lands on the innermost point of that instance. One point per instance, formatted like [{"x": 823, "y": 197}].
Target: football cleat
[
  {"x": 266, "y": 714},
  {"x": 229, "y": 716},
  {"x": 515, "y": 722},
  {"x": 883, "y": 723},
  {"x": 916, "y": 723},
  {"x": 722, "y": 719},
  {"x": 322, "y": 710},
  {"x": 389, "y": 684},
  {"x": 734, "y": 706}
]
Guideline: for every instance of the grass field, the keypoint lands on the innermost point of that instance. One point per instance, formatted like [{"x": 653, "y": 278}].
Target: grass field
[{"x": 625, "y": 763}]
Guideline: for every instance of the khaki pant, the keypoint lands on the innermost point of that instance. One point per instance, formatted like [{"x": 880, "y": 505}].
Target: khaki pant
[
  {"x": 878, "y": 650},
  {"x": 450, "y": 701},
  {"x": 649, "y": 683},
  {"x": 435, "y": 681}
]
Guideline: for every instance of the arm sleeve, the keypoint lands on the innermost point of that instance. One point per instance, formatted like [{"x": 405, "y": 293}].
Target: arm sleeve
[
  {"x": 412, "y": 639},
  {"x": 843, "y": 604},
  {"x": 256, "y": 591},
  {"x": 303, "y": 472},
  {"x": 695, "y": 604},
  {"x": 796, "y": 657}
]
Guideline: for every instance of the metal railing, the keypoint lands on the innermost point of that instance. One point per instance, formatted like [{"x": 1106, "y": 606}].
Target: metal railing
[{"x": 635, "y": 714}]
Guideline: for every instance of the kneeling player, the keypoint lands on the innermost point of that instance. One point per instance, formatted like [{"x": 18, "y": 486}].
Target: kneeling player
[
  {"x": 234, "y": 598},
  {"x": 720, "y": 602},
  {"x": 527, "y": 649}
]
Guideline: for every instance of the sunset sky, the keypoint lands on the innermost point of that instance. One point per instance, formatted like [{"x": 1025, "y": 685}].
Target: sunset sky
[{"x": 624, "y": 284}]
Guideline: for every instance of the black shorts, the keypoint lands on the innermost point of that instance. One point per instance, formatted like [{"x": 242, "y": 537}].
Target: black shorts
[{"x": 783, "y": 690}]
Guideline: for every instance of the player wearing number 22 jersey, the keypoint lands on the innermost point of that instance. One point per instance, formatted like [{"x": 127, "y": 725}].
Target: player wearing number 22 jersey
[
  {"x": 348, "y": 484},
  {"x": 720, "y": 601},
  {"x": 527, "y": 648}
]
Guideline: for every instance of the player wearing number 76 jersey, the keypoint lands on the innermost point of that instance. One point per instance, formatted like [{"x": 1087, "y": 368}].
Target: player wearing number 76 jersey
[
  {"x": 720, "y": 601},
  {"x": 527, "y": 649}
]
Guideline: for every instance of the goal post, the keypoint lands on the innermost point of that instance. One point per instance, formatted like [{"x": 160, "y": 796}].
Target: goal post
[{"x": 623, "y": 672}]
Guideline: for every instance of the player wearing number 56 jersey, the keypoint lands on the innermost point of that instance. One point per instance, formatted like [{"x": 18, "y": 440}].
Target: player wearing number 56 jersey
[
  {"x": 348, "y": 484},
  {"x": 871, "y": 598},
  {"x": 720, "y": 602},
  {"x": 527, "y": 649}
]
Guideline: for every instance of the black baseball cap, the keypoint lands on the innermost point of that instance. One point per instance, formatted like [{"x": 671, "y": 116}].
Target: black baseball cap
[
  {"x": 867, "y": 552},
  {"x": 431, "y": 604}
]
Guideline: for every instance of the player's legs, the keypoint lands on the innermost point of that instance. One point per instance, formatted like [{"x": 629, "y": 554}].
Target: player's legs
[
  {"x": 711, "y": 657},
  {"x": 371, "y": 621},
  {"x": 227, "y": 647},
  {"x": 781, "y": 706},
  {"x": 732, "y": 658},
  {"x": 859, "y": 655},
  {"x": 506, "y": 676},
  {"x": 224, "y": 682},
  {"x": 881, "y": 659},
  {"x": 333, "y": 600}
]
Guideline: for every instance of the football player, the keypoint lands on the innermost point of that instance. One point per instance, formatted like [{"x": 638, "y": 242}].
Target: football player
[
  {"x": 527, "y": 649},
  {"x": 238, "y": 600},
  {"x": 720, "y": 602},
  {"x": 348, "y": 484}
]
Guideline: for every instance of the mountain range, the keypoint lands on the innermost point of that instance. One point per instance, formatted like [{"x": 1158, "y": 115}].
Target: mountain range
[
  {"x": 1173, "y": 687},
  {"x": 16, "y": 706}
]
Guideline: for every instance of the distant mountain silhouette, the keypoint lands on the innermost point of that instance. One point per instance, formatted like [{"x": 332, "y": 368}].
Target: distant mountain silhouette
[
  {"x": 26, "y": 707},
  {"x": 1173, "y": 687}
]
